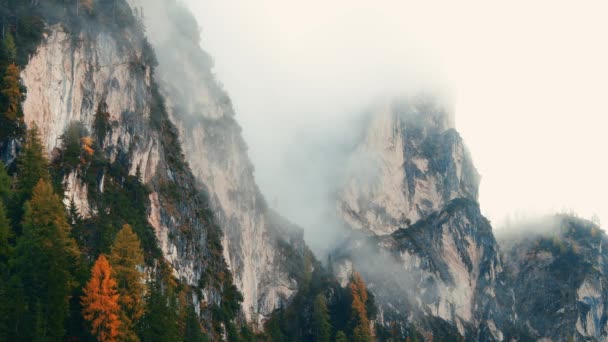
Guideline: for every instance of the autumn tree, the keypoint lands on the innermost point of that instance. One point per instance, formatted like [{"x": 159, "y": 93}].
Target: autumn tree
[
  {"x": 100, "y": 302},
  {"x": 46, "y": 261},
  {"x": 127, "y": 258},
  {"x": 359, "y": 319},
  {"x": 321, "y": 325},
  {"x": 11, "y": 113}
]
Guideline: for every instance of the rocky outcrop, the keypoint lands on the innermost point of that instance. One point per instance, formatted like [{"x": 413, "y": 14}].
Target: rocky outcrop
[
  {"x": 558, "y": 273},
  {"x": 410, "y": 163},
  {"x": 420, "y": 240}
]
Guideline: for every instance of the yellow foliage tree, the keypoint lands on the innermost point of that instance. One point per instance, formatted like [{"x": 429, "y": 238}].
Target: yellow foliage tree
[
  {"x": 100, "y": 302},
  {"x": 361, "y": 331},
  {"x": 87, "y": 143},
  {"x": 126, "y": 257}
]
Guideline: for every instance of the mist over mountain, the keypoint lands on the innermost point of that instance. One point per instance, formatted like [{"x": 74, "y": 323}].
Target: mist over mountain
[{"x": 130, "y": 207}]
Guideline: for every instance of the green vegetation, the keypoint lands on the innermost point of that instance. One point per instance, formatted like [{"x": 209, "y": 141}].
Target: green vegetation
[{"x": 67, "y": 274}]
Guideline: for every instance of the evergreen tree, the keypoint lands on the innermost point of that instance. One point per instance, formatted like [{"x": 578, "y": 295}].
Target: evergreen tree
[
  {"x": 32, "y": 164},
  {"x": 5, "y": 185},
  {"x": 341, "y": 337},
  {"x": 5, "y": 254},
  {"x": 100, "y": 302},
  {"x": 46, "y": 257},
  {"x": 11, "y": 113},
  {"x": 359, "y": 319},
  {"x": 10, "y": 48},
  {"x": 160, "y": 321},
  {"x": 126, "y": 258},
  {"x": 192, "y": 327},
  {"x": 321, "y": 325}
]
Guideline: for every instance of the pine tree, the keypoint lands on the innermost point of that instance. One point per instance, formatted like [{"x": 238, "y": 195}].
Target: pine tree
[
  {"x": 359, "y": 320},
  {"x": 5, "y": 254},
  {"x": 6, "y": 234},
  {"x": 32, "y": 164},
  {"x": 192, "y": 326},
  {"x": 126, "y": 257},
  {"x": 160, "y": 321},
  {"x": 11, "y": 113},
  {"x": 321, "y": 325},
  {"x": 46, "y": 259},
  {"x": 100, "y": 302},
  {"x": 10, "y": 48},
  {"x": 341, "y": 337},
  {"x": 5, "y": 185}
]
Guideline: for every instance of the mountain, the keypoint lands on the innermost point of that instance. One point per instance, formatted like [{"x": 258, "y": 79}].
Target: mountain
[
  {"x": 136, "y": 131},
  {"x": 217, "y": 154},
  {"x": 412, "y": 202}
]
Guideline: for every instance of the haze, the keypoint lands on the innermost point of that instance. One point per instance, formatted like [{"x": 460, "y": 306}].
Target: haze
[{"x": 526, "y": 81}]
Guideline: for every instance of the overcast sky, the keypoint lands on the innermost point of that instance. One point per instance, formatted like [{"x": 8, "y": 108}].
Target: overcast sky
[{"x": 527, "y": 81}]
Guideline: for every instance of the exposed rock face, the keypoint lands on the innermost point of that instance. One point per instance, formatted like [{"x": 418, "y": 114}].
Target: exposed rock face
[
  {"x": 412, "y": 167},
  {"x": 410, "y": 163},
  {"x": 67, "y": 79},
  {"x": 217, "y": 154},
  {"x": 559, "y": 278}
]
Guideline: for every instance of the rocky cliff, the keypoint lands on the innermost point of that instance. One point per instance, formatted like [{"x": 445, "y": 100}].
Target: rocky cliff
[
  {"x": 217, "y": 154},
  {"x": 174, "y": 127},
  {"x": 410, "y": 163},
  {"x": 411, "y": 196},
  {"x": 558, "y": 273},
  {"x": 102, "y": 75}
]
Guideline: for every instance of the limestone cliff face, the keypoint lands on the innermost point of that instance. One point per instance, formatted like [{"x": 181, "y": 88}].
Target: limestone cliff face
[
  {"x": 410, "y": 163},
  {"x": 217, "y": 154},
  {"x": 411, "y": 199},
  {"x": 67, "y": 80}
]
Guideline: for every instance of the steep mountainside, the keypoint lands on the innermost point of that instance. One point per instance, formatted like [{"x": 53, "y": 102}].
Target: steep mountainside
[
  {"x": 558, "y": 277},
  {"x": 412, "y": 167},
  {"x": 102, "y": 79},
  {"x": 217, "y": 154}
]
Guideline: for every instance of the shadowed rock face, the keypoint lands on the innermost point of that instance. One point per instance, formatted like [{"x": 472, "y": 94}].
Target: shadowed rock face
[
  {"x": 446, "y": 266},
  {"x": 559, "y": 279}
]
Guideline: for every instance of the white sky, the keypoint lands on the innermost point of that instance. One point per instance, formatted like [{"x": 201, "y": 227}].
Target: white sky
[{"x": 528, "y": 80}]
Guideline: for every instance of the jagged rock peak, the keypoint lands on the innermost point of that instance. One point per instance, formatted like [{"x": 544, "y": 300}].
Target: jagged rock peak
[{"x": 410, "y": 162}]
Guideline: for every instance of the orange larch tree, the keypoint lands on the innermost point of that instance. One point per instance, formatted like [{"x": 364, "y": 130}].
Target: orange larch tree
[
  {"x": 361, "y": 331},
  {"x": 100, "y": 302}
]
